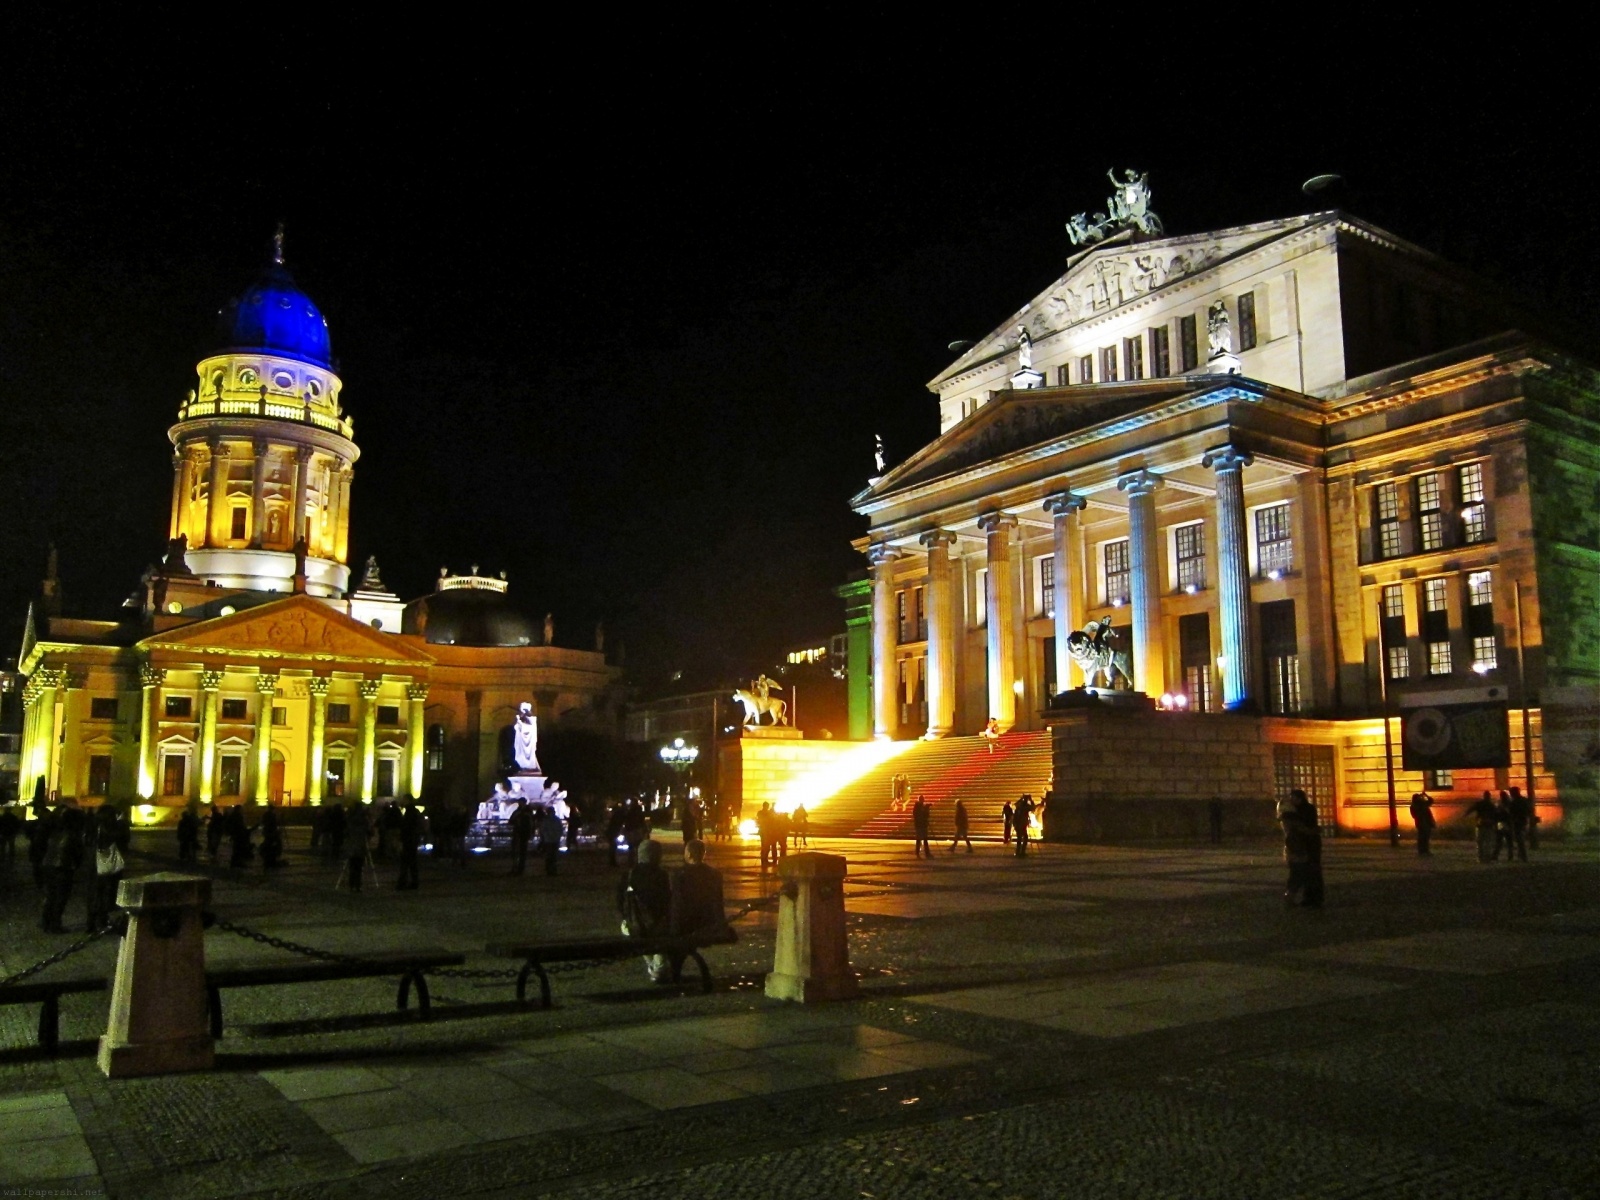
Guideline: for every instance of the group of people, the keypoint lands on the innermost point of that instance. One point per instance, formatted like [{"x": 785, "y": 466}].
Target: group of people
[
  {"x": 230, "y": 825},
  {"x": 685, "y": 903},
  {"x": 1506, "y": 824},
  {"x": 64, "y": 844},
  {"x": 528, "y": 819},
  {"x": 779, "y": 830}
]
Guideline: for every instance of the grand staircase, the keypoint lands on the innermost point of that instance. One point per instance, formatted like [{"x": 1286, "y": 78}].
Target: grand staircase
[{"x": 982, "y": 774}]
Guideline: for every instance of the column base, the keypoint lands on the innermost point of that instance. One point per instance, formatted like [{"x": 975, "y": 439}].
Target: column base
[{"x": 804, "y": 990}]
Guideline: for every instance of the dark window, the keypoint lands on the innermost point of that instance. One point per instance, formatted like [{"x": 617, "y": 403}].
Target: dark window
[
  {"x": 386, "y": 777},
  {"x": 103, "y": 708},
  {"x": 1392, "y": 632},
  {"x": 1062, "y": 379},
  {"x": 1160, "y": 352},
  {"x": 1436, "y": 610},
  {"x": 388, "y": 714},
  {"x": 1191, "y": 544},
  {"x": 235, "y": 710},
  {"x": 1281, "y": 652},
  {"x": 232, "y": 775},
  {"x": 1086, "y": 369},
  {"x": 1188, "y": 344},
  {"x": 1108, "y": 364},
  {"x": 1049, "y": 673},
  {"x": 1116, "y": 560},
  {"x": 338, "y": 714},
  {"x": 99, "y": 774},
  {"x": 174, "y": 768},
  {"x": 1133, "y": 354},
  {"x": 1247, "y": 321},
  {"x": 901, "y": 603},
  {"x": 238, "y": 523},
  {"x": 436, "y": 740},
  {"x": 1047, "y": 586},
  {"x": 1194, "y": 647},
  {"x": 180, "y": 707},
  {"x": 920, "y": 598},
  {"x": 280, "y": 714}
]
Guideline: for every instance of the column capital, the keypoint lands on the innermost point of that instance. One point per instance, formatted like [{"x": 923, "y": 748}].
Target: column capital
[
  {"x": 260, "y": 446},
  {"x": 1063, "y": 503},
  {"x": 1139, "y": 483},
  {"x": 317, "y": 685},
  {"x": 210, "y": 681},
  {"x": 219, "y": 448},
  {"x": 881, "y": 554},
  {"x": 937, "y": 537},
  {"x": 416, "y": 691},
  {"x": 150, "y": 677},
  {"x": 995, "y": 522},
  {"x": 369, "y": 688},
  {"x": 1227, "y": 458},
  {"x": 266, "y": 684}
]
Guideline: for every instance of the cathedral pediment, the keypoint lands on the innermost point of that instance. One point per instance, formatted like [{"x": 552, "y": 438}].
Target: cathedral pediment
[{"x": 295, "y": 627}]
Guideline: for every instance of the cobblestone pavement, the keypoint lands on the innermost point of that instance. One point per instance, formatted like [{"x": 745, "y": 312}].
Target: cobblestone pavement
[{"x": 1109, "y": 1021}]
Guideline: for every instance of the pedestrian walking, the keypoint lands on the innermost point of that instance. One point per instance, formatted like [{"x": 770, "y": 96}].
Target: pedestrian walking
[
  {"x": 1005, "y": 823},
  {"x": 111, "y": 839},
  {"x": 521, "y": 830},
  {"x": 800, "y": 823},
  {"x": 1422, "y": 818},
  {"x": 1302, "y": 850},
  {"x": 239, "y": 839},
  {"x": 961, "y": 828},
  {"x": 991, "y": 733},
  {"x": 1021, "y": 816},
  {"x": 411, "y": 821},
  {"x": 921, "y": 818}
]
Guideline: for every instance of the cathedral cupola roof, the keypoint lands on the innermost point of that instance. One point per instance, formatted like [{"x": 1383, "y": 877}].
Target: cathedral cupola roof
[{"x": 274, "y": 315}]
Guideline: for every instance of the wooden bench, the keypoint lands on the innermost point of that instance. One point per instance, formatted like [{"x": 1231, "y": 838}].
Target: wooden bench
[
  {"x": 47, "y": 994},
  {"x": 536, "y": 956},
  {"x": 408, "y": 965}
]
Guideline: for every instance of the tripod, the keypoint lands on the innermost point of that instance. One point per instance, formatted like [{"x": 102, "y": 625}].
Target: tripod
[{"x": 344, "y": 870}]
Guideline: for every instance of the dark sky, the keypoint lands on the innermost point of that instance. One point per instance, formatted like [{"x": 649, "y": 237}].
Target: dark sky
[{"x": 618, "y": 310}]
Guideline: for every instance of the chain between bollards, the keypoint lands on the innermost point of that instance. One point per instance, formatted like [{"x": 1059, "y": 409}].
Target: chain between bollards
[{"x": 81, "y": 944}]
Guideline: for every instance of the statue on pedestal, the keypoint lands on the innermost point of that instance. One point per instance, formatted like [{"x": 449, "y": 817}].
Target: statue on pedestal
[
  {"x": 1092, "y": 649},
  {"x": 525, "y": 739}
]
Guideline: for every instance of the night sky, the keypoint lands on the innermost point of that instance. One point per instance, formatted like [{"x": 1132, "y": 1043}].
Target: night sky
[{"x": 618, "y": 312}]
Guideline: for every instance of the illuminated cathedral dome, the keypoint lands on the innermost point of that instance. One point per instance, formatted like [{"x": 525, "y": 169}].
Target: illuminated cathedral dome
[{"x": 274, "y": 315}]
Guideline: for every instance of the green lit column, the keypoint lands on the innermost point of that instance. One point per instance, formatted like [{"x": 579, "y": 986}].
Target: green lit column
[
  {"x": 369, "y": 738},
  {"x": 266, "y": 689},
  {"x": 417, "y": 693},
  {"x": 316, "y": 771},
  {"x": 210, "y": 687},
  {"x": 150, "y": 681}
]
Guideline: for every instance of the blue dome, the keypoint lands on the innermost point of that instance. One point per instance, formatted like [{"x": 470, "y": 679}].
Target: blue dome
[{"x": 276, "y": 316}]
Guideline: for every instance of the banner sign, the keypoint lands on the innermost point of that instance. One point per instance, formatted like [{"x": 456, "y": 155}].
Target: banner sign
[{"x": 1459, "y": 729}]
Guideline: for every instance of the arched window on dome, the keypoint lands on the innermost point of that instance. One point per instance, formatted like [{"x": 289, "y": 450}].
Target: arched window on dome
[{"x": 435, "y": 744}]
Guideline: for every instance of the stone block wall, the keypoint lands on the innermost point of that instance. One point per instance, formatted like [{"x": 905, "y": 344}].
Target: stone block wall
[{"x": 757, "y": 771}]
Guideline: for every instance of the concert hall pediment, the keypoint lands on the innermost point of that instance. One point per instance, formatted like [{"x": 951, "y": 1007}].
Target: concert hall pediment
[{"x": 295, "y": 627}]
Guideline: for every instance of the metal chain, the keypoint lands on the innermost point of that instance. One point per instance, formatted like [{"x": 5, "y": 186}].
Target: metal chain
[
  {"x": 760, "y": 902},
  {"x": 81, "y": 944},
  {"x": 278, "y": 943}
]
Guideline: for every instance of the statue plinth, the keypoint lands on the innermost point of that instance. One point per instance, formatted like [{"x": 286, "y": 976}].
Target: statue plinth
[
  {"x": 1027, "y": 378},
  {"x": 1226, "y": 363},
  {"x": 774, "y": 732},
  {"x": 1125, "y": 700}
]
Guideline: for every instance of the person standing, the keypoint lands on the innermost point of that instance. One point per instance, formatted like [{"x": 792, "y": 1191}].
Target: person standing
[
  {"x": 10, "y": 825},
  {"x": 62, "y": 857},
  {"x": 696, "y": 909},
  {"x": 521, "y": 830},
  {"x": 800, "y": 822},
  {"x": 1302, "y": 850},
  {"x": 239, "y": 833},
  {"x": 1021, "y": 815},
  {"x": 189, "y": 833},
  {"x": 271, "y": 839},
  {"x": 691, "y": 820},
  {"x": 961, "y": 828},
  {"x": 1502, "y": 828},
  {"x": 1005, "y": 823},
  {"x": 356, "y": 832},
  {"x": 410, "y": 845},
  {"x": 110, "y": 840},
  {"x": 1483, "y": 817},
  {"x": 921, "y": 817},
  {"x": 1422, "y": 818},
  {"x": 215, "y": 829},
  {"x": 1520, "y": 811},
  {"x": 551, "y": 832}
]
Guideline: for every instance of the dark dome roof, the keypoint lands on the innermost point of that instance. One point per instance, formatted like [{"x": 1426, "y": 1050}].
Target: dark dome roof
[
  {"x": 276, "y": 316},
  {"x": 469, "y": 617}
]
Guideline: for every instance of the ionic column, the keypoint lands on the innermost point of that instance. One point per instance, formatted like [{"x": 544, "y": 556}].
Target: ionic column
[
  {"x": 1144, "y": 570},
  {"x": 302, "y": 483},
  {"x": 1001, "y": 603},
  {"x": 218, "y": 494},
  {"x": 206, "y": 769},
  {"x": 150, "y": 681},
  {"x": 885, "y": 714},
  {"x": 417, "y": 694},
  {"x": 47, "y": 683},
  {"x": 369, "y": 738},
  {"x": 1233, "y": 577},
  {"x": 317, "y": 752},
  {"x": 258, "y": 493},
  {"x": 1062, "y": 506},
  {"x": 942, "y": 634},
  {"x": 266, "y": 689}
]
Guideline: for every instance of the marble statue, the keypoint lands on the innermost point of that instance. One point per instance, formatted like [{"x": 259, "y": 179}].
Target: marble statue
[
  {"x": 525, "y": 738},
  {"x": 549, "y": 629},
  {"x": 1092, "y": 650},
  {"x": 1128, "y": 207},
  {"x": 877, "y": 451},
  {"x": 1219, "y": 332},
  {"x": 1024, "y": 349}
]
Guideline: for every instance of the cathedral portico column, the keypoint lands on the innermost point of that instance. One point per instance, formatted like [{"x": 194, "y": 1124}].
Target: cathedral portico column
[
  {"x": 302, "y": 484},
  {"x": 218, "y": 494},
  {"x": 369, "y": 738},
  {"x": 1144, "y": 579},
  {"x": 150, "y": 681},
  {"x": 258, "y": 493},
  {"x": 1233, "y": 575},
  {"x": 1000, "y": 604},
  {"x": 941, "y": 634},
  {"x": 1063, "y": 506},
  {"x": 885, "y": 714},
  {"x": 316, "y": 758},
  {"x": 266, "y": 689},
  {"x": 417, "y": 695},
  {"x": 206, "y": 769}
]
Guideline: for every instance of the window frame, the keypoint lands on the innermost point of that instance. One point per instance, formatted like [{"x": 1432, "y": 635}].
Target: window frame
[
  {"x": 1245, "y": 306},
  {"x": 1124, "y": 571}
]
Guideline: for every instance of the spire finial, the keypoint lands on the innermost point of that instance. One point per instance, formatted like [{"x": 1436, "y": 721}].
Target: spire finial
[{"x": 277, "y": 245}]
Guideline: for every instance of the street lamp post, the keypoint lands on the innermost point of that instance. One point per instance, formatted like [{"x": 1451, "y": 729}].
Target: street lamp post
[{"x": 679, "y": 757}]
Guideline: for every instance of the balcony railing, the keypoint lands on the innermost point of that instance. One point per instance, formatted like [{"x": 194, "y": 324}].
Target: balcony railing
[{"x": 280, "y": 406}]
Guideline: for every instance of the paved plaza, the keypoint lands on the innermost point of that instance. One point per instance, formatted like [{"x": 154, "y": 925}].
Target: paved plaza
[{"x": 1106, "y": 1021}]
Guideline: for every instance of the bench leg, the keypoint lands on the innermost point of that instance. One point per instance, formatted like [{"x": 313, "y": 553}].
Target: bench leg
[
  {"x": 544, "y": 983},
  {"x": 214, "y": 1006},
  {"x": 424, "y": 1001},
  {"x": 50, "y": 1022},
  {"x": 705, "y": 971},
  {"x": 403, "y": 996}
]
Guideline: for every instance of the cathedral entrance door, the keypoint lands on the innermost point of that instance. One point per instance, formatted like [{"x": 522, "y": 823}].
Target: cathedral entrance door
[{"x": 275, "y": 778}]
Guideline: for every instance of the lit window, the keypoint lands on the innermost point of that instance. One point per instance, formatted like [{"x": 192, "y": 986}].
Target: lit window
[
  {"x": 1191, "y": 556},
  {"x": 1047, "y": 585},
  {"x": 1283, "y": 683},
  {"x": 232, "y": 774},
  {"x": 1116, "y": 570},
  {"x": 1108, "y": 364},
  {"x": 1399, "y": 658},
  {"x": 1133, "y": 355},
  {"x": 1160, "y": 352},
  {"x": 1474, "y": 521},
  {"x": 99, "y": 774},
  {"x": 1438, "y": 658},
  {"x": 1429, "y": 518},
  {"x": 1388, "y": 511},
  {"x": 1440, "y": 781},
  {"x": 1197, "y": 686},
  {"x": 338, "y": 714},
  {"x": 1394, "y": 600},
  {"x": 1485, "y": 656},
  {"x": 1086, "y": 369},
  {"x": 436, "y": 740},
  {"x": 1247, "y": 321},
  {"x": 1274, "y": 543},
  {"x": 1436, "y": 595},
  {"x": 1480, "y": 588},
  {"x": 1472, "y": 483}
]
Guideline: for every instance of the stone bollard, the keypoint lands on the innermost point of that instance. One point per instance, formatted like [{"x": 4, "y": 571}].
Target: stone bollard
[
  {"x": 811, "y": 960},
  {"x": 158, "y": 1018}
]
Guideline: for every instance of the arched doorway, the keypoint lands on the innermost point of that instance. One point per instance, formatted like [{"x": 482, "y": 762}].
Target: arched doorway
[{"x": 275, "y": 778}]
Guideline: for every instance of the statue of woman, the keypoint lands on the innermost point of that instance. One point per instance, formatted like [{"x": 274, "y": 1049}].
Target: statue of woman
[{"x": 525, "y": 738}]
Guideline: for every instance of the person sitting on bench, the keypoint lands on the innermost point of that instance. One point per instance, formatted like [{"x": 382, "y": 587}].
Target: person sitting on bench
[
  {"x": 697, "y": 907},
  {"x": 643, "y": 902}
]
